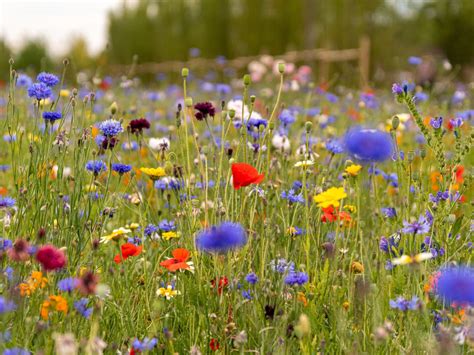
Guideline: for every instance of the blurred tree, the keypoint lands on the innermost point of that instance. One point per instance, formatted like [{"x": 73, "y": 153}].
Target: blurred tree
[
  {"x": 33, "y": 56},
  {"x": 78, "y": 54},
  {"x": 5, "y": 54}
]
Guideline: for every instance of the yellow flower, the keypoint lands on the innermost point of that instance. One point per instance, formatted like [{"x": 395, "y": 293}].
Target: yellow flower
[
  {"x": 169, "y": 235},
  {"x": 406, "y": 259},
  {"x": 115, "y": 235},
  {"x": 350, "y": 208},
  {"x": 58, "y": 303},
  {"x": 167, "y": 292},
  {"x": 353, "y": 169},
  {"x": 91, "y": 188},
  {"x": 45, "y": 102},
  {"x": 64, "y": 93},
  {"x": 330, "y": 197},
  {"x": 345, "y": 305},
  {"x": 132, "y": 226},
  {"x": 357, "y": 267},
  {"x": 154, "y": 173},
  {"x": 292, "y": 231}
]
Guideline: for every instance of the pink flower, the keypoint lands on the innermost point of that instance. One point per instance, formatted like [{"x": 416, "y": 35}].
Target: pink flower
[{"x": 51, "y": 258}]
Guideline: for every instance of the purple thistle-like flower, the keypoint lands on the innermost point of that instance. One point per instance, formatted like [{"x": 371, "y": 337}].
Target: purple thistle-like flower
[
  {"x": 221, "y": 238},
  {"x": 110, "y": 128}
]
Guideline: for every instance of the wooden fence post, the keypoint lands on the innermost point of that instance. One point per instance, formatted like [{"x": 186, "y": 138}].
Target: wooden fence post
[{"x": 364, "y": 61}]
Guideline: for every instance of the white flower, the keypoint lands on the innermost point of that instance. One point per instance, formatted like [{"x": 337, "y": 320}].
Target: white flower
[
  {"x": 161, "y": 144},
  {"x": 281, "y": 142},
  {"x": 304, "y": 163}
]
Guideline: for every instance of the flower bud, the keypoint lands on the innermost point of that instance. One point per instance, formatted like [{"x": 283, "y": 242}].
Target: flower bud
[
  {"x": 308, "y": 126},
  {"x": 246, "y": 80},
  {"x": 281, "y": 67},
  {"x": 231, "y": 113},
  {"x": 184, "y": 72},
  {"x": 188, "y": 102},
  {"x": 113, "y": 108},
  {"x": 252, "y": 98},
  {"x": 395, "y": 122}
]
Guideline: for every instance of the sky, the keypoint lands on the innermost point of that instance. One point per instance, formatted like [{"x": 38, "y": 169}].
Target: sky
[{"x": 56, "y": 21}]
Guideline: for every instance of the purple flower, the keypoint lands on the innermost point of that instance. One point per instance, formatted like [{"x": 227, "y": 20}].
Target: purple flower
[
  {"x": 296, "y": 278},
  {"x": 68, "y": 284},
  {"x": 397, "y": 89},
  {"x": 110, "y": 128},
  {"x": 404, "y": 305},
  {"x": 47, "y": 79},
  {"x": 456, "y": 122},
  {"x": 282, "y": 266},
  {"x": 221, "y": 238},
  {"x": 287, "y": 117},
  {"x": 167, "y": 226},
  {"x": 456, "y": 284},
  {"x": 368, "y": 145},
  {"x": 421, "y": 226},
  {"x": 334, "y": 147},
  {"x": 6, "y": 306},
  {"x": 121, "y": 168},
  {"x": 146, "y": 344},
  {"x": 292, "y": 197},
  {"x": 52, "y": 116},
  {"x": 7, "y": 202},
  {"x": 436, "y": 122},
  {"x": 81, "y": 307},
  {"x": 96, "y": 166},
  {"x": 389, "y": 212},
  {"x": 415, "y": 60},
  {"x": 251, "y": 278},
  {"x": 39, "y": 91}
]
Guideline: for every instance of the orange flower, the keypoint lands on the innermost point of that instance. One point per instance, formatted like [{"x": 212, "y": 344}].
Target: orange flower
[
  {"x": 56, "y": 303},
  {"x": 128, "y": 250},
  {"x": 178, "y": 261}
]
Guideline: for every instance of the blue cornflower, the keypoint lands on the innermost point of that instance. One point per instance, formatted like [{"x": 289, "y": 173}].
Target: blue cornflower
[
  {"x": 110, "y": 128},
  {"x": 81, "y": 307},
  {"x": 144, "y": 345},
  {"x": 334, "y": 147},
  {"x": 282, "y": 266},
  {"x": 52, "y": 116},
  {"x": 369, "y": 100},
  {"x": 5, "y": 244},
  {"x": 130, "y": 145},
  {"x": 168, "y": 183},
  {"x": 404, "y": 305},
  {"x": 167, "y": 226},
  {"x": 251, "y": 278},
  {"x": 436, "y": 122},
  {"x": 68, "y": 284},
  {"x": 6, "y": 305},
  {"x": 223, "y": 89},
  {"x": 415, "y": 60},
  {"x": 292, "y": 197},
  {"x": 16, "y": 351},
  {"x": 39, "y": 91},
  {"x": 368, "y": 145},
  {"x": 421, "y": 96},
  {"x": 121, "y": 168},
  {"x": 8, "y": 272},
  {"x": 96, "y": 166},
  {"x": 389, "y": 212},
  {"x": 389, "y": 245},
  {"x": 440, "y": 196},
  {"x": 150, "y": 230},
  {"x": 286, "y": 117},
  {"x": 296, "y": 185},
  {"x": 296, "y": 278},
  {"x": 419, "y": 227},
  {"x": 391, "y": 178},
  {"x": 331, "y": 97},
  {"x": 221, "y": 238},
  {"x": 456, "y": 284},
  {"x": 23, "y": 80},
  {"x": 47, "y": 79},
  {"x": 247, "y": 295},
  {"x": 7, "y": 202}
]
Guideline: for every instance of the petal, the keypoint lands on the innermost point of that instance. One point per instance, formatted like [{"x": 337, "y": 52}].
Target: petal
[{"x": 180, "y": 254}]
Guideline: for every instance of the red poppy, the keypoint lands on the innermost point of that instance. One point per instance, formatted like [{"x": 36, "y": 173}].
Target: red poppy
[
  {"x": 244, "y": 175},
  {"x": 459, "y": 174},
  {"x": 178, "y": 261},
  {"x": 128, "y": 250},
  {"x": 223, "y": 283},
  {"x": 214, "y": 344},
  {"x": 331, "y": 215}
]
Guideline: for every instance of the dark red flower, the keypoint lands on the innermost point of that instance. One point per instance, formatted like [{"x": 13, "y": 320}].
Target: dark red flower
[
  {"x": 214, "y": 344},
  {"x": 128, "y": 250},
  {"x": 204, "y": 109},
  {"x": 244, "y": 175},
  {"x": 223, "y": 283},
  {"x": 138, "y": 125},
  {"x": 19, "y": 251},
  {"x": 51, "y": 258},
  {"x": 88, "y": 283},
  {"x": 109, "y": 143}
]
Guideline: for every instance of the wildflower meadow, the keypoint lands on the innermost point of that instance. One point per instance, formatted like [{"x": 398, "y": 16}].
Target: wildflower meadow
[{"x": 260, "y": 213}]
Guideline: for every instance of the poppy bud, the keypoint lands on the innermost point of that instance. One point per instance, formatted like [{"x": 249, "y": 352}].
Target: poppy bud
[
  {"x": 252, "y": 98},
  {"x": 395, "y": 122},
  {"x": 188, "y": 102},
  {"x": 271, "y": 125},
  {"x": 246, "y": 80},
  {"x": 231, "y": 113},
  {"x": 113, "y": 108},
  {"x": 308, "y": 126},
  {"x": 281, "y": 67},
  {"x": 184, "y": 72}
]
